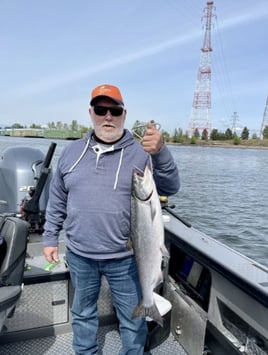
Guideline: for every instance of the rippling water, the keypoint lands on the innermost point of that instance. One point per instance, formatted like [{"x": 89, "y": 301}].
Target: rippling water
[{"x": 224, "y": 192}]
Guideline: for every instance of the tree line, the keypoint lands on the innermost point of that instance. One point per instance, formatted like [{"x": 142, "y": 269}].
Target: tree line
[
  {"x": 59, "y": 125},
  {"x": 178, "y": 135}
]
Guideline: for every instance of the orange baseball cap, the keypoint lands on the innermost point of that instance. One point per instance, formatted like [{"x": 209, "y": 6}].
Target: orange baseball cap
[{"x": 107, "y": 90}]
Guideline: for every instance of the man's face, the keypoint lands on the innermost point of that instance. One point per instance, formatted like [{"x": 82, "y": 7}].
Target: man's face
[{"x": 108, "y": 126}]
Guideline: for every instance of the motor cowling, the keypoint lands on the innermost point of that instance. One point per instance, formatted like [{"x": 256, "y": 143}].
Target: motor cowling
[{"x": 21, "y": 169}]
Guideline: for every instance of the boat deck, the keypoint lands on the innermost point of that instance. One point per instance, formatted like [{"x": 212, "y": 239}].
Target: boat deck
[
  {"x": 30, "y": 330},
  {"x": 109, "y": 343},
  {"x": 219, "y": 303}
]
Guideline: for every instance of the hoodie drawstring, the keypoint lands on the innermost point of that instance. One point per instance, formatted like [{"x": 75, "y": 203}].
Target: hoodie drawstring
[
  {"x": 118, "y": 168},
  {"x": 81, "y": 156},
  {"x": 109, "y": 149}
]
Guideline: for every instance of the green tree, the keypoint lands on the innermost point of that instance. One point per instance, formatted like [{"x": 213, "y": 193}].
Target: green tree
[
  {"x": 59, "y": 125},
  {"x": 193, "y": 140},
  {"x": 265, "y": 132},
  {"x": 214, "y": 134},
  {"x": 175, "y": 136},
  {"x": 245, "y": 133},
  {"x": 17, "y": 125},
  {"x": 237, "y": 140},
  {"x": 196, "y": 133},
  {"x": 221, "y": 136},
  {"x": 74, "y": 125},
  {"x": 178, "y": 136},
  {"x": 204, "y": 135},
  {"x": 35, "y": 126},
  {"x": 51, "y": 125},
  {"x": 165, "y": 136},
  {"x": 228, "y": 133}
]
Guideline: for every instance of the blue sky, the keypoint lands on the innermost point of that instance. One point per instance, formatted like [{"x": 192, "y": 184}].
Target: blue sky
[{"x": 54, "y": 52}]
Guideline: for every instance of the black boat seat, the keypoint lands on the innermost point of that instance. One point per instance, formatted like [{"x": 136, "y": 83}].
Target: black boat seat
[{"x": 15, "y": 232}]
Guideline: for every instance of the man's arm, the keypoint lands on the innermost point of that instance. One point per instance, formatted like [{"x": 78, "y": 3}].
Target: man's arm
[{"x": 55, "y": 216}]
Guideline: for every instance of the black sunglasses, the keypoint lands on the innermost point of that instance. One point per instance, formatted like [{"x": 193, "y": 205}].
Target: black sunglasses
[{"x": 114, "y": 111}]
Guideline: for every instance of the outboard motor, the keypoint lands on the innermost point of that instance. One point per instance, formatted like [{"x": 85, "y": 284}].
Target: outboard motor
[{"x": 24, "y": 183}]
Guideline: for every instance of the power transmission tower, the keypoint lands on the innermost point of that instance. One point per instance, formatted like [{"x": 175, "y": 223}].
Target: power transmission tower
[
  {"x": 265, "y": 119},
  {"x": 234, "y": 122},
  {"x": 201, "y": 109}
]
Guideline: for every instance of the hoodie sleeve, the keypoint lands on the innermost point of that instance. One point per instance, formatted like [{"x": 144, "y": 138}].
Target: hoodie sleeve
[
  {"x": 165, "y": 172},
  {"x": 56, "y": 210}
]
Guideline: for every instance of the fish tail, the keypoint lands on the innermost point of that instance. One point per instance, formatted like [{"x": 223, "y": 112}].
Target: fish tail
[{"x": 152, "y": 312}]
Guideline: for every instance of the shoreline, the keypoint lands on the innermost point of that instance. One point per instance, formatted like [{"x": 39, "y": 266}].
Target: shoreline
[
  {"x": 260, "y": 144},
  {"x": 216, "y": 144}
]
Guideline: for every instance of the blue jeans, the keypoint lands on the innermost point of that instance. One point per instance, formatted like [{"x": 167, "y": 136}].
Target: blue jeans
[{"x": 123, "y": 280}]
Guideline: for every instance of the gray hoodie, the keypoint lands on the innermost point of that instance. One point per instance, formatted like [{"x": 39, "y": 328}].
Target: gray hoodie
[{"x": 90, "y": 194}]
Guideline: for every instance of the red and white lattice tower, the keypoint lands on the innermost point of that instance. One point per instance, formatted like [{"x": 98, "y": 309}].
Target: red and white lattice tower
[
  {"x": 265, "y": 119},
  {"x": 201, "y": 110}
]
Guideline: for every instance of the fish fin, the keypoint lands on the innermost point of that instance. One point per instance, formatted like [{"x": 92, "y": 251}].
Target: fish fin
[
  {"x": 164, "y": 251},
  {"x": 152, "y": 312}
]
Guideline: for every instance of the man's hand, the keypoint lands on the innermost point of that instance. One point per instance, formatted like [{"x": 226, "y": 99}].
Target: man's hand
[
  {"x": 51, "y": 254},
  {"x": 152, "y": 141}
]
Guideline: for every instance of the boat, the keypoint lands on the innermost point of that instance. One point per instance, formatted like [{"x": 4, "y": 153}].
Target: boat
[{"x": 213, "y": 300}]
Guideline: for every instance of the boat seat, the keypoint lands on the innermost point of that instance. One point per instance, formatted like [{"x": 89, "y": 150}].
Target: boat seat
[{"x": 15, "y": 232}]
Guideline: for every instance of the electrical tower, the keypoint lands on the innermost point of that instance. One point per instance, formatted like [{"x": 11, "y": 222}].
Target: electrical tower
[
  {"x": 201, "y": 110},
  {"x": 265, "y": 119},
  {"x": 234, "y": 122}
]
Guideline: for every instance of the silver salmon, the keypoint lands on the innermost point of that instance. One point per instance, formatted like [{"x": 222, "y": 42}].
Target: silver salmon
[{"x": 147, "y": 238}]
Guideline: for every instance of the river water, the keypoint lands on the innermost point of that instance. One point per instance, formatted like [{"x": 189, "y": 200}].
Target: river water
[{"x": 224, "y": 192}]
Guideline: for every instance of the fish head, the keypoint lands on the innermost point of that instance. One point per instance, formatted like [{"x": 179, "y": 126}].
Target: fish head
[{"x": 142, "y": 184}]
